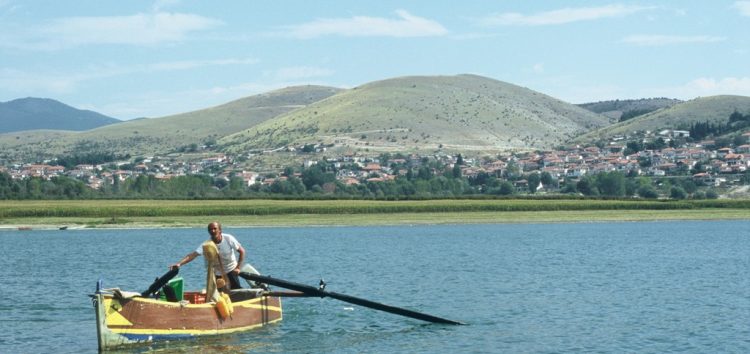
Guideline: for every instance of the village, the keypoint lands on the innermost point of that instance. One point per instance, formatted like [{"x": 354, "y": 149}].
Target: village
[{"x": 706, "y": 163}]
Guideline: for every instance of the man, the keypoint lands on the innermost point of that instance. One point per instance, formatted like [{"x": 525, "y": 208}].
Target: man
[{"x": 227, "y": 245}]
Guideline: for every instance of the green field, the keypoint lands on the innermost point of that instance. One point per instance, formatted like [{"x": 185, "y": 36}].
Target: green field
[{"x": 179, "y": 213}]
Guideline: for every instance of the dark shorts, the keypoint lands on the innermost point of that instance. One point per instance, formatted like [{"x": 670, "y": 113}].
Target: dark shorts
[{"x": 234, "y": 280}]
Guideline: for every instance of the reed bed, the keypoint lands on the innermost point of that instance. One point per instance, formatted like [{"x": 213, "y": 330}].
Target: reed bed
[{"x": 166, "y": 208}]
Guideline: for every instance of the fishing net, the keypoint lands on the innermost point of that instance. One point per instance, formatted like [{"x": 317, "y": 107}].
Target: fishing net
[{"x": 213, "y": 263}]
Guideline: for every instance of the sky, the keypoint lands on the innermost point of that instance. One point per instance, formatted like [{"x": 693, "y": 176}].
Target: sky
[{"x": 131, "y": 59}]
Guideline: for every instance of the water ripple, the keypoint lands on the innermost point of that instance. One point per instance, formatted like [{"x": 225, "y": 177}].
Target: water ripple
[{"x": 656, "y": 287}]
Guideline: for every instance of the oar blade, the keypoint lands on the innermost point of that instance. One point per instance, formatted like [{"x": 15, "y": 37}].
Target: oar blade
[
  {"x": 391, "y": 309},
  {"x": 313, "y": 291}
]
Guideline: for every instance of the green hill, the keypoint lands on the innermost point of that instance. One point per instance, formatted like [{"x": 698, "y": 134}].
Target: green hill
[
  {"x": 713, "y": 109},
  {"x": 424, "y": 113},
  {"x": 463, "y": 113},
  {"x": 44, "y": 113},
  {"x": 162, "y": 135},
  {"x": 615, "y": 109}
]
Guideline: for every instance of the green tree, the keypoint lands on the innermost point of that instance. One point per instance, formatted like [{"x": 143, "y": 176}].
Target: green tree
[
  {"x": 611, "y": 183},
  {"x": 236, "y": 184},
  {"x": 699, "y": 167},
  {"x": 648, "y": 192},
  {"x": 632, "y": 147},
  {"x": 657, "y": 144},
  {"x": 569, "y": 186},
  {"x": 677, "y": 193},
  {"x": 314, "y": 176},
  {"x": 689, "y": 186},
  {"x": 548, "y": 180},
  {"x": 533, "y": 179},
  {"x": 512, "y": 170},
  {"x": 8, "y": 187},
  {"x": 456, "y": 173},
  {"x": 506, "y": 188},
  {"x": 424, "y": 173},
  {"x": 586, "y": 186}
]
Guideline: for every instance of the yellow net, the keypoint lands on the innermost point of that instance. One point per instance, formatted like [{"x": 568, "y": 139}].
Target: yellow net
[{"x": 213, "y": 263}]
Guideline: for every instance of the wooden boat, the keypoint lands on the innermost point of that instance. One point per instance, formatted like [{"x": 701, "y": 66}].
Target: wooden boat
[
  {"x": 124, "y": 318},
  {"x": 127, "y": 318}
]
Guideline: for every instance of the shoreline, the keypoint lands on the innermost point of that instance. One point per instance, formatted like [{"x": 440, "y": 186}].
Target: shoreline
[{"x": 380, "y": 219}]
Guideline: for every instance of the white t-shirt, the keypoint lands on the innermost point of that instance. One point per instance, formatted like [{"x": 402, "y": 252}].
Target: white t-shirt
[{"x": 227, "y": 248}]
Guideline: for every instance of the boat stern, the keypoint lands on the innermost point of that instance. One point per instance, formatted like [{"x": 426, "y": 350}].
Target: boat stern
[
  {"x": 105, "y": 307},
  {"x": 126, "y": 318}
]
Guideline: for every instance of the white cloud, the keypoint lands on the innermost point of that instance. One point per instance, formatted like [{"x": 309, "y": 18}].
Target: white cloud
[
  {"x": 135, "y": 29},
  {"x": 192, "y": 64},
  {"x": 538, "y": 68},
  {"x": 139, "y": 29},
  {"x": 111, "y": 70},
  {"x": 743, "y": 7},
  {"x": 703, "y": 87},
  {"x": 61, "y": 83},
  {"x": 23, "y": 83},
  {"x": 475, "y": 35},
  {"x": 406, "y": 25},
  {"x": 561, "y": 16},
  {"x": 660, "y": 40}
]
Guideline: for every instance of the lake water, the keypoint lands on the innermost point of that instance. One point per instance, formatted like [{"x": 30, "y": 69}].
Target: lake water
[{"x": 653, "y": 287}]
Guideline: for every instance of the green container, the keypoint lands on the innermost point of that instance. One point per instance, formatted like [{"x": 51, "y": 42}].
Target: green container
[{"x": 176, "y": 285}]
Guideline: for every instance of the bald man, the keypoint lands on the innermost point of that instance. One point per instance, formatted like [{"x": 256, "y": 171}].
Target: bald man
[{"x": 227, "y": 246}]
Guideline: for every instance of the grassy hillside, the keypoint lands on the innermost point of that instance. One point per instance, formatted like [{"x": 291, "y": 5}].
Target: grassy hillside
[
  {"x": 713, "y": 109},
  {"x": 462, "y": 113},
  {"x": 161, "y": 135},
  {"x": 615, "y": 109}
]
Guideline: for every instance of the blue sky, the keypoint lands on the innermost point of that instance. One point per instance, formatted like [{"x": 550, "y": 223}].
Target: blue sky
[{"x": 131, "y": 59}]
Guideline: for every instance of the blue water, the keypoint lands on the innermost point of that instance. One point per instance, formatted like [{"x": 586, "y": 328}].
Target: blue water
[{"x": 655, "y": 287}]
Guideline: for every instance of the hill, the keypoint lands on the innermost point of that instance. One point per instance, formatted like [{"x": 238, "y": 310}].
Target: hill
[
  {"x": 616, "y": 109},
  {"x": 44, "y": 113},
  {"x": 463, "y": 113},
  {"x": 713, "y": 109},
  {"x": 162, "y": 135},
  {"x": 424, "y": 113}
]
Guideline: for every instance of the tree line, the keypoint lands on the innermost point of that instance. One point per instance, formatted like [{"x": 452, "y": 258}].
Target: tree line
[
  {"x": 737, "y": 122},
  {"x": 429, "y": 180}
]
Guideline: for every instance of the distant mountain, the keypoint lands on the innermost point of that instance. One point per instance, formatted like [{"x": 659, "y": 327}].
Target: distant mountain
[
  {"x": 151, "y": 136},
  {"x": 616, "y": 109},
  {"x": 44, "y": 113},
  {"x": 425, "y": 113},
  {"x": 462, "y": 113},
  {"x": 713, "y": 109}
]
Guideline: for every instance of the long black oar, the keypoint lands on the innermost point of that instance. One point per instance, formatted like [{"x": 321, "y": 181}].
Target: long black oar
[
  {"x": 313, "y": 291},
  {"x": 159, "y": 282}
]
